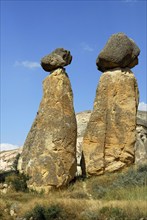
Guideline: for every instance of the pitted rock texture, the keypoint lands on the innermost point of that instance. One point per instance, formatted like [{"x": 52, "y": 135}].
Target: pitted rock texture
[
  {"x": 58, "y": 58},
  {"x": 119, "y": 51},
  {"x": 108, "y": 143},
  {"x": 49, "y": 152}
]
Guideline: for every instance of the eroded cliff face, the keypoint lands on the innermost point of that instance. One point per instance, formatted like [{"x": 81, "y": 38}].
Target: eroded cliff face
[
  {"x": 49, "y": 152},
  {"x": 108, "y": 143}
]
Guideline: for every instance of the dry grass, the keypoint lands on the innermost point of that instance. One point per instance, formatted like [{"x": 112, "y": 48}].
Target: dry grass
[
  {"x": 81, "y": 200},
  {"x": 74, "y": 207}
]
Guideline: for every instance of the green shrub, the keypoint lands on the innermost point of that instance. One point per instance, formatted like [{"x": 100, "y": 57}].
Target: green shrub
[
  {"x": 15, "y": 163},
  {"x": 17, "y": 181},
  {"x": 89, "y": 215},
  {"x": 98, "y": 191},
  {"x": 132, "y": 178},
  {"x": 39, "y": 212},
  {"x": 142, "y": 168},
  {"x": 112, "y": 213},
  {"x": 52, "y": 212},
  {"x": 118, "y": 186},
  {"x": 3, "y": 175}
]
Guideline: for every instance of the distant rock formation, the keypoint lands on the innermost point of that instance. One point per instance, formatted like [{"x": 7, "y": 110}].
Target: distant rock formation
[
  {"x": 7, "y": 159},
  {"x": 49, "y": 152},
  {"x": 82, "y": 120},
  {"x": 120, "y": 51},
  {"x": 108, "y": 143},
  {"x": 141, "y": 142}
]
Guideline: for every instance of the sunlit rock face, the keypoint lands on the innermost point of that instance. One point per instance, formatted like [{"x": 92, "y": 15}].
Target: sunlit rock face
[
  {"x": 49, "y": 152},
  {"x": 108, "y": 143},
  {"x": 109, "y": 140}
]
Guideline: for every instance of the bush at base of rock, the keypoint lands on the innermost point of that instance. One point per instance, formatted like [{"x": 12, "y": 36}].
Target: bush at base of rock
[
  {"x": 127, "y": 185},
  {"x": 18, "y": 182},
  {"x": 112, "y": 213},
  {"x": 44, "y": 213}
]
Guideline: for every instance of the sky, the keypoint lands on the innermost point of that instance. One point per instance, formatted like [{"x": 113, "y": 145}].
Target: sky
[{"x": 33, "y": 29}]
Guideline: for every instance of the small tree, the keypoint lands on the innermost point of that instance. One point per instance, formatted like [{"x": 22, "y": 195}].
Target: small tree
[{"x": 15, "y": 163}]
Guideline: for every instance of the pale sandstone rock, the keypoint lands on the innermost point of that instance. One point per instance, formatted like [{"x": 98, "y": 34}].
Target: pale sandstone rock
[
  {"x": 142, "y": 116},
  {"x": 12, "y": 213},
  {"x": 7, "y": 159},
  {"x": 49, "y": 152},
  {"x": 141, "y": 142},
  {"x": 4, "y": 188},
  {"x": 108, "y": 143},
  {"x": 82, "y": 120}
]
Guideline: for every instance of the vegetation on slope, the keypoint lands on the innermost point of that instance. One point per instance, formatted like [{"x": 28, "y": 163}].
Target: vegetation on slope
[{"x": 114, "y": 196}]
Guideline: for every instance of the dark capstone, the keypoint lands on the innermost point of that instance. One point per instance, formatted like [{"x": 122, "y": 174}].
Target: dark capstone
[
  {"x": 119, "y": 51},
  {"x": 58, "y": 58}
]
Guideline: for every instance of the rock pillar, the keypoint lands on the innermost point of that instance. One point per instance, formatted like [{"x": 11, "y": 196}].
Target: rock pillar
[
  {"x": 109, "y": 140},
  {"x": 49, "y": 152}
]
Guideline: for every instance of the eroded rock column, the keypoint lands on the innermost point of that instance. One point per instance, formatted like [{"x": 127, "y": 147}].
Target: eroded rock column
[
  {"x": 49, "y": 152},
  {"x": 109, "y": 140}
]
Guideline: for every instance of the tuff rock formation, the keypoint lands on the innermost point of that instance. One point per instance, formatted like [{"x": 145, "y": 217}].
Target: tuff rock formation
[
  {"x": 109, "y": 140},
  {"x": 141, "y": 141},
  {"x": 120, "y": 51},
  {"x": 49, "y": 152},
  {"x": 140, "y": 145},
  {"x": 82, "y": 120},
  {"x": 58, "y": 58},
  {"x": 7, "y": 158}
]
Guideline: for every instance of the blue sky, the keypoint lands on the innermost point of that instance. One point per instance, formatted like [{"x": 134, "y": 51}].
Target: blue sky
[{"x": 32, "y": 29}]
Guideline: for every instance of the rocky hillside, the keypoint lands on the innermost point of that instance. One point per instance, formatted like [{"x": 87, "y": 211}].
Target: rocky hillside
[
  {"x": 7, "y": 157},
  {"x": 141, "y": 143}
]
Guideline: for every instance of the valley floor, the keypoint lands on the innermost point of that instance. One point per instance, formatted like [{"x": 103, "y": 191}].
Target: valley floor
[{"x": 111, "y": 197}]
